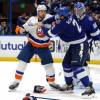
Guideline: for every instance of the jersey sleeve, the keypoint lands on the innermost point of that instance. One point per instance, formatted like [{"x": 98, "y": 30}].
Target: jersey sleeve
[
  {"x": 55, "y": 30},
  {"x": 95, "y": 31},
  {"x": 49, "y": 20},
  {"x": 29, "y": 24}
]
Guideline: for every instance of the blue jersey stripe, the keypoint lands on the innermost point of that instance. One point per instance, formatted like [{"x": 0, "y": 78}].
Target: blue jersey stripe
[{"x": 19, "y": 72}]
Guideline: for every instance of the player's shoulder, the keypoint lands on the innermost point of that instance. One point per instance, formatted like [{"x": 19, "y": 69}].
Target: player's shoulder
[
  {"x": 89, "y": 18},
  {"x": 91, "y": 21},
  {"x": 48, "y": 16},
  {"x": 33, "y": 18}
]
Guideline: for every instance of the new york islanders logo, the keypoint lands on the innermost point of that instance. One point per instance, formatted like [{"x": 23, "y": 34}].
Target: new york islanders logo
[{"x": 39, "y": 32}]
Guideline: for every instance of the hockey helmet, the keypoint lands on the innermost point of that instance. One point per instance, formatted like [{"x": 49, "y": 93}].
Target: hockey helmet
[
  {"x": 64, "y": 11},
  {"x": 79, "y": 9},
  {"x": 41, "y": 7}
]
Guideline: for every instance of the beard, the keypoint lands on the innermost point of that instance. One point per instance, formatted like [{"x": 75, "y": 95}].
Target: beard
[{"x": 40, "y": 18}]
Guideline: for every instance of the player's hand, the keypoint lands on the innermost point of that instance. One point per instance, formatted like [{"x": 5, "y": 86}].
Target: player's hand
[
  {"x": 97, "y": 43},
  {"x": 22, "y": 30},
  {"x": 19, "y": 30}
]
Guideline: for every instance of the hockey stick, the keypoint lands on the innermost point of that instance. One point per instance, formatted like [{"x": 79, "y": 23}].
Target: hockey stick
[
  {"x": 30, "y": 97},
  {"x": 35, "y": 98},
  {"x": 43, "y": 98}
]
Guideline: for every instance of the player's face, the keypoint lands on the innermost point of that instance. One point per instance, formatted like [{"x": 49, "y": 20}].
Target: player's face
[
  {"x": 41, "y": 13},
  {"x": 62, "y": 17},
  {"x": 78, "y": 12}
]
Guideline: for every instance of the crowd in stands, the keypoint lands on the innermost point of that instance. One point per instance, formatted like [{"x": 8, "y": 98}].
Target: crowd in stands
[
  {"x": 93, "y": 8},
  {"x": 4, "y": 28}
]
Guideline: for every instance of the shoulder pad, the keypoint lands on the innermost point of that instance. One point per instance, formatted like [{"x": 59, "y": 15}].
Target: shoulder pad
[
  {"x": 33, "y": 18},
  {"x": 48, "y": 16},
  {"x": 90, "y": 18}
]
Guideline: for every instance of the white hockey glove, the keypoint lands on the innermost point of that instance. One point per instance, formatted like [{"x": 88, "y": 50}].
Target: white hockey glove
[{"x": 97, "y": 44}]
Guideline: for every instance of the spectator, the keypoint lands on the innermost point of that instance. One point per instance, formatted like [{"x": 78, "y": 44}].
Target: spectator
[
  {"x": 98, "y": 21},
  {"x": 37, "y": 2},
  {"x": 45, "y": 2},
  {"x": 22, "y": 19},
  {"x": 4, "y": 29},
  {"x": 95, "y": 7},
  {"x": 57, "y": 4}
]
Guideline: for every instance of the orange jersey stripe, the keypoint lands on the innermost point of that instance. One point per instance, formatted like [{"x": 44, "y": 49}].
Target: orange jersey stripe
[{"x": 38, "y": 45}]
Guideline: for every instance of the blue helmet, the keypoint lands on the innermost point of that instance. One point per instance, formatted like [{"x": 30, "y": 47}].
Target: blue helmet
[
  {"x": 64, "y": 11},
  {"x": 79, "y": 5}
]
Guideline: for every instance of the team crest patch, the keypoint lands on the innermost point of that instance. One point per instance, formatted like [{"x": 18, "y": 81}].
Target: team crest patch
[{"x": 40, "y": 33}]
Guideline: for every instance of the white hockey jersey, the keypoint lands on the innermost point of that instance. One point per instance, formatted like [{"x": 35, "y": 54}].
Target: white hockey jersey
[{"x": 31, "y": 26}]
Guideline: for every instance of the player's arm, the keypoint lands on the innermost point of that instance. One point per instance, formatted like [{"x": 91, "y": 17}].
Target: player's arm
[
  {"x": 95, "y": 31},
  {"x": 51, "y": 19},
  {"x": 25, "y": 27},
  {"x": 96, "y": 36},
  {"x": 54, "y": 31},
  {"x": 19, "y": 30}
]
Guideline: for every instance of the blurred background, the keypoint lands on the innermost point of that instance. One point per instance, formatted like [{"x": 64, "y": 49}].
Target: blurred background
[{"x": 13, "y": 12}]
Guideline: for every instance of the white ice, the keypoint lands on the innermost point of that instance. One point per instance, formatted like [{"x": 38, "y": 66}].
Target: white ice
[{"x": 35, "y": 75}]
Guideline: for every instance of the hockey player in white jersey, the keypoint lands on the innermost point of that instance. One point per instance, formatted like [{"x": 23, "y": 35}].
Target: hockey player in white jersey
[{"x": 37, "y": 44}]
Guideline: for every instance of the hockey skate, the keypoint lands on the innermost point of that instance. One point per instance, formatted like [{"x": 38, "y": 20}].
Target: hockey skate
[
  {"x": 13, "y": 86},
  {"x": 55, "y": 86},
  {"x": 89, "y": 92},
  {"x": 67, "y": 88},
  {"x": 52, "y": 84}
]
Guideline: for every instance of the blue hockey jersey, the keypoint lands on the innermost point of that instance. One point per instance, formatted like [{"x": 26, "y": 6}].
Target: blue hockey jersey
[
  {"x": 89, "y": 26},
  {"x": 68, "y": 30}
]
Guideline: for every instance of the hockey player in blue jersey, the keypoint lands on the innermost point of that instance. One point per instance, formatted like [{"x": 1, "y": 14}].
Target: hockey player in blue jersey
[
  {"x": 89, "y": 26},
  {"x": 87, "y": 23},
  {"x": 68, "y": 30}
]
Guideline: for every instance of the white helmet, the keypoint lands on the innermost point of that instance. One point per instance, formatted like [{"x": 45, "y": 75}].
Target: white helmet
[{"x": 41, "y": 7}]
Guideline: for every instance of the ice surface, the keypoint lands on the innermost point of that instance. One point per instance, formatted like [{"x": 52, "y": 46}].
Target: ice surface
[{"x": 35, "y": 75}]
